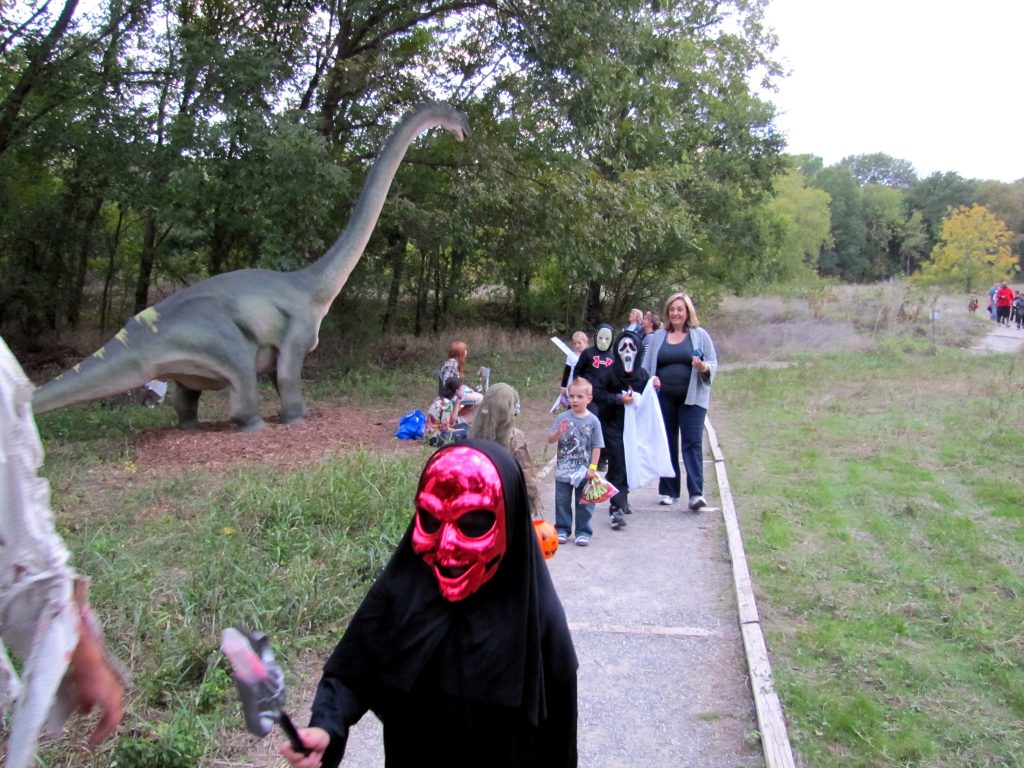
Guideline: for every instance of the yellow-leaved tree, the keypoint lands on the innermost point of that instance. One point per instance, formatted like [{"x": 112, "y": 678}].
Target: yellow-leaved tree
[{"x": 973, "y": 252}]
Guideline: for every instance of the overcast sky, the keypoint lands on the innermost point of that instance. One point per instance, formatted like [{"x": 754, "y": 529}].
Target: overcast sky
[{"x": 934, "y": 82}]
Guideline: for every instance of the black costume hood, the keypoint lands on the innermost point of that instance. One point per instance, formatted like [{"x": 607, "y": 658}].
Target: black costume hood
[
  {"x": 617, "y": 365},
  {"x": 494, "y": 646}
]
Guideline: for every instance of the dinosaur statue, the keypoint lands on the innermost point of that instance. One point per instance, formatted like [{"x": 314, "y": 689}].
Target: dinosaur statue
[{"x": 228, "y": 329}]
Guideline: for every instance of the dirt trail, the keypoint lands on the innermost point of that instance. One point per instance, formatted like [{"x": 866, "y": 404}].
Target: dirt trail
[{"x": 1001, "y": 338}]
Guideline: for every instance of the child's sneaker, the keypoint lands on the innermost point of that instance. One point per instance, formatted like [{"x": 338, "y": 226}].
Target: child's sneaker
[
  {"x": 582, "y": 540},
  {"x": 698, "y": 501},
  {"x": 618, "y": 520},
  {"x": 562, "y": 537}
]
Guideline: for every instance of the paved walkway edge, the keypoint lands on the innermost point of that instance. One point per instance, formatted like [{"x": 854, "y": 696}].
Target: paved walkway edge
[{"x": 778, "y": 753}]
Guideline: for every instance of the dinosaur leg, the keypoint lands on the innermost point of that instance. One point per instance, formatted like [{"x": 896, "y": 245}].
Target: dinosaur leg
[
  {"x": 186, "y": 403},
  {"x": 289, "y": 380},
  {"x": 244, "y": 402}
]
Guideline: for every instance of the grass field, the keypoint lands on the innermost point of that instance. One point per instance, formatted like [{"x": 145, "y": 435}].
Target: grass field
[{"x": 878, "y": 480}]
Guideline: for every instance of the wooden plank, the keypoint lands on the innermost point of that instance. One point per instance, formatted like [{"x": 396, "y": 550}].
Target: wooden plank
[
  {"x": 778, "y": 752},
  {"x": 746, "y": 605},
  {"x": 774, "y": 736}
]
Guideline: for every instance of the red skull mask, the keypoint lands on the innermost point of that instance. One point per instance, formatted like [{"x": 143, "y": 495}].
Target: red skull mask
[{"x": 460, "y": 529}]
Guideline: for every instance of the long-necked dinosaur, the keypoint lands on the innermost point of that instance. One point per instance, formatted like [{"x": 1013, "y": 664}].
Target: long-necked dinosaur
[{"x": 227, "y": 330}]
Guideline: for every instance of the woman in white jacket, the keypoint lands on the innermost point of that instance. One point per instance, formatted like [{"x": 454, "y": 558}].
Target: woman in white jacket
[{"x": 681, "y": 358}]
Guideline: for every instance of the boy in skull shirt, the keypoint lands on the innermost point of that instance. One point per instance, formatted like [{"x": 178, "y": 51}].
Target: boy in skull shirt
[{"x": 613, "y": 392}]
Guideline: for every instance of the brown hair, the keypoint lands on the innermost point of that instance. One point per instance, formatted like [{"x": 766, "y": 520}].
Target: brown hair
[
  {"x": 691, "y": 312},
  {"x": 459, "y": 350}
]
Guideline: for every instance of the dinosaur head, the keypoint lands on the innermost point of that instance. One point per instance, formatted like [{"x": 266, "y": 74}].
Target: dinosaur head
[{"x": 455, "y": 122}]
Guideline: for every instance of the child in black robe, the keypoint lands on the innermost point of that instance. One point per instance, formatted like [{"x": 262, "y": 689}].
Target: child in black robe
[
  {"x": 464, "y": 665},
  {"x": 613, "y": 393}
]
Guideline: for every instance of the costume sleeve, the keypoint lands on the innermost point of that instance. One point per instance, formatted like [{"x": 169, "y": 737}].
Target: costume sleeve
[
  {"x": 710, "y": 357},
  {"x": 557, "y": 737},
  {"x": 565, "y": 375},
  {"x": 336, "y": 708}
]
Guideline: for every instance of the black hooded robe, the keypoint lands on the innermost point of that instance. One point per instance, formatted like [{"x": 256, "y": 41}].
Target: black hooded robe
[
  {"x": 613, "y": 413},
  {"x": 486, "y": 681}
]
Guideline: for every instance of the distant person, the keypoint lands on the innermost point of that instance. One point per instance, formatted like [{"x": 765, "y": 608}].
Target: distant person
[
  {"x": 496, "y": 421},
  {"x": 652, "y": 323},
  {"x": 635, "y": 323},
  {"x": 1004, "y": 301},
  {"x": 1017, "y": 310},
  {"x": 972, "y": 305},
  {"x": 580, "y": 439},
  {"x": 683, "y": 362},
  {"x": 455, "y": 365},
  {"x": 991, "y": 308},
  {"x": 460, "y": 647},
  {"x": 444, "y": 424},
  {"x": 579, "y": 345}
]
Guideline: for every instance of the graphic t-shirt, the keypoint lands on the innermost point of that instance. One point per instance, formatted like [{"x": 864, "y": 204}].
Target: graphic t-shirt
[{"x": 575, "y": 445}]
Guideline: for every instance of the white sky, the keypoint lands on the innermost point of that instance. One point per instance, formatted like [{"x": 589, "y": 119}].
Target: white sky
[{"x": 935, "y": 82}]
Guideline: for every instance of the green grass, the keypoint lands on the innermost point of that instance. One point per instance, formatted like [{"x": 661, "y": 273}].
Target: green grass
[
  {"x": 881, "y": 499},
  {"x": 176, "y": 560}
]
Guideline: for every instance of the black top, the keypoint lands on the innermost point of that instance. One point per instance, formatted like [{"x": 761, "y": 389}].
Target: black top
[
  {"x": 617, "y": 380},
  {"x": 675, "y": 367},
  {"x": 489, "y": 680}
]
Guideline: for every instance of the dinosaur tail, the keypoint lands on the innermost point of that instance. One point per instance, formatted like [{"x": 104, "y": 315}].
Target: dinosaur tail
[{"x": 113, "y": 369}]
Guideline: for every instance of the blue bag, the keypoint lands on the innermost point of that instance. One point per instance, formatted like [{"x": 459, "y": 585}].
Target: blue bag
[{"x": 412, "y": 425}]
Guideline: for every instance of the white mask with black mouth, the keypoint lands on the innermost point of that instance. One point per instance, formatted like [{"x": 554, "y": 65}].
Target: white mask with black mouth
[{"x": 627, "y": 353}]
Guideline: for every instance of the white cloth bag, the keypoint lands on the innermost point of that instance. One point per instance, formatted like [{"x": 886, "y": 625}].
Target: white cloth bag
[{"x": 644, "y": 440}]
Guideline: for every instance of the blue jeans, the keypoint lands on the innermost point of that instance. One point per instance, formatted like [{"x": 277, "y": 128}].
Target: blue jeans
[
  {"x": 564, "y": 495},
  {"x": 684, "y": 426}
]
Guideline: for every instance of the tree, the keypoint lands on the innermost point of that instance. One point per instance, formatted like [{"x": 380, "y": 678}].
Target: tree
[
  {"x": 973, "y": 253},
  {"x": 799, "y": 218},
  {"x": 884, "y": 225},
  {"x": 937, "y": 195},
  {"x": 846, "y": 258},
  {"x": 879, "y": 168}
]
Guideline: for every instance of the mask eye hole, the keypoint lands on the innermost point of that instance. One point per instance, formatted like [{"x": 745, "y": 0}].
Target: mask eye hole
[
  {"x": 476, "y": 523},
  {"x": 428, "y": 523}
]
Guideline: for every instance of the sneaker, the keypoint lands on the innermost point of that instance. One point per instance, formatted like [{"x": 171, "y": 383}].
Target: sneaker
[
  {"x": 698, "y": 501},
  {"x": 618, "y": 520},
  {"x": 666, "y": 501},
  {"x": 582, "y": 540},
  {"x": 562, "y": 537}
]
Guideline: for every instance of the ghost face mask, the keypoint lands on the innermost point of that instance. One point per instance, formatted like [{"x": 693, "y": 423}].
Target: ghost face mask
[
  {"x": 460, "y": 529},
  {"x": 603, "y": 339},
  {"x": 627, "y": 353}
]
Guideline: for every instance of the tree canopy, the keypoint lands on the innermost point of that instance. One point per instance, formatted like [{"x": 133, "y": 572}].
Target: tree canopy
[{"x": 618, "y": 147}]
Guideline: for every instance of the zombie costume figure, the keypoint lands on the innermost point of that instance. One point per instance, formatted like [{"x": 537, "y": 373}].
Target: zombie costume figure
[
  {"x": 461, "y": 646},
  {"x": 613, "y": 394}
]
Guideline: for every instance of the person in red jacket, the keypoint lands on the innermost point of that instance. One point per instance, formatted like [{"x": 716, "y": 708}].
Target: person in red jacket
[{"x": 1004, "y": 300}]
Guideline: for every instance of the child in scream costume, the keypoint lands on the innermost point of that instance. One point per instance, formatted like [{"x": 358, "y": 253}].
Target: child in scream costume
[
  {"x": 613, "y": 392},
  {"x": 461, "y": 646}
]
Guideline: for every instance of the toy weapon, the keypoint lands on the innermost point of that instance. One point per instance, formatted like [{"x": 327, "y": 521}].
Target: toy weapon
[{"x": 260, "y": 684}]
